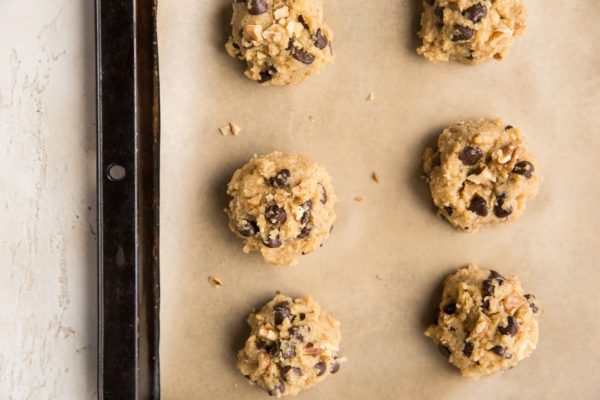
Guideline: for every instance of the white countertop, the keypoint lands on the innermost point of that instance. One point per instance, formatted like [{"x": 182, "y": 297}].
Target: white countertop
[{"x": 47, "y": 200}]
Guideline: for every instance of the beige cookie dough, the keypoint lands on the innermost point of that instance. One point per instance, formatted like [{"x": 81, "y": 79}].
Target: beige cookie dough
[
  {"x": 282, "y": 41},
  {"x": 487, "y": 323},
  {"x": 281, "y": 205},
  {"x": 293, "y": 345},
  {"x": 470, "y": 31},
  {"x": 480, "y": 173}
]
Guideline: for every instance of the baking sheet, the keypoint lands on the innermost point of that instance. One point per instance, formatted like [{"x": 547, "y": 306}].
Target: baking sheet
[{"x": 549, "y": 87}]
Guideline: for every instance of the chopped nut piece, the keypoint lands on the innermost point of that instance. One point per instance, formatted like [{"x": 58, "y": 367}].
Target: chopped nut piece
[
  {"x": 375, "y": 176},
  {"x": 482, "y": 324},
  {"x": 253, "y": 33},
  {"x": 370, "y": 97},
  {"x": 483, "y": 177},
  {"x": 359, "y": 199},
  {"x": 512, "y": 302},
  {"x": 214, "y": 281},
  {"x": 281, "y": 12}
]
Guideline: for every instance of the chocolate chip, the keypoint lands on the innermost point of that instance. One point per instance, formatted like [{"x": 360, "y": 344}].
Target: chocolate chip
[
  {"x": 286, "y": 369},
  {"x": 511, "y": 328},
  {"x": 294, "y": 332},
  {"x": 499, "y": 210},
  {"x": 302, "y": 316},
  {"x": 476, "y": 12},
  {"x": 288, "y": 351},
  {"x": 475, "y": 171},
  {"x": 487, "y": 288},
  {"x": 323, "y": 194},
  {"x": 524, "y": 168},
  {"x": 247, "y": 228},
  {"x": 508, "y": 127},
  {"x": 277, "y": 389},
  {"x": 335, "y": 367},
  {"x": 450, "y": 308},
  {"x": 485, "y": 304},
  {"x": 470, "y": 155},
  {"x": 439, "y": 13},
  {"x": 304, "y": 232},
  {"x": 478, "y": 205},
  {"x": 307, "y": 207},
  {"x": 258, "y": 7},
  {"x": 273, "y": 349},
  {"x": 462, "y": 33},
  {"x": 449, "y": 210},
  {"x": 265, "y": 76},
  {"x": 303, "y": 22},
  {"x": 303, "y": 56},
  {"x": 468, "y": 349},
  {"x": 495, "y": 275},
  {"x": 430, "y": 2},
  {"x": 499, "y": 350},
  {"x": 532, "y": 305},
  {"x": 275, "y": 214},
  {"x": 320, "y": 40},
  {"x": 281, "y": 179},
  {"x": 261, "y": 345},
  {"x": 321, "y": 367},
  {"x": 281, "y": 311},
  {"x": 272, "y": 242}
]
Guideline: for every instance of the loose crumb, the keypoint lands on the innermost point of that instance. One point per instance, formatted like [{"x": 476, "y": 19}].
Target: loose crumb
[
  {"x": 230, "y": 129},
  {"x": 370, "y": 97},
  {"x": 225, "y": 130},
  {"x": 378, "y": 277},
  {"x": 311, "y": 118},
  {"x": 214, "y": 281},
  {"x": 359, "y": 199},
  {"x": 375, "y": 176},
  {"x": 235, "y": 129}
]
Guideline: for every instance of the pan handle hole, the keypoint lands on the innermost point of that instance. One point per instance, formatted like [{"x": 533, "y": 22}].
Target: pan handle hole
[{"x": 116, "y": 172}]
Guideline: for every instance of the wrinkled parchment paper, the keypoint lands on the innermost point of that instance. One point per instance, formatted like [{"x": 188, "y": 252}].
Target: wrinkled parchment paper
[{"x": 380, "y": 272}]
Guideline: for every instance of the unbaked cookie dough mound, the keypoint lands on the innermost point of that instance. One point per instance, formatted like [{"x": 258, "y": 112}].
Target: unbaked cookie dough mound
[
  {"x": 282, "y": 41},
  {"x": 486, "y": 322},
  {"x": 293, "y": 345},
  {"x": 470, "y": 31},
  {"x": 480, "y": 173},
  {"x": 282, "y": 205}
]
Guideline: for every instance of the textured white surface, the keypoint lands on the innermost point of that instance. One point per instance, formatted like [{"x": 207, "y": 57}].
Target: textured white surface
[{"x": 47, "y": 200}]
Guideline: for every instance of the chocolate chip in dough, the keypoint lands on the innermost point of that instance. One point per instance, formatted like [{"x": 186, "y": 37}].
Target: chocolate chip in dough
[
  {"x": 511, "y": 328},
  {"x": 476, "y": 12},
  {"x": 275, "y": 214},
  {"x": 470, "y": 155},
  {"x": 272, "y": 242},
  {"x": 294, "y": 332},
  {"x": 449, "y": 210},
  {"x": 532, "y": 305},
  {"x": 450, "y": 308},
  {"x": 248, "y": 228},
  {"x": 335, "y": 367},
  {"x": 258, "y": 7},
  {"x": 321, "y": 368},
  {"x": 277, "y": 389},
  {"x": 524, "y": 168},
  {"x": 468, "y": 349},
  {"x": 487, "y": 288},
  {"x": 500, "y": 210},
  {"x": 307, "y": 207},
  {"x": 462, "y": 33},
  {"x": 323, "y": 194},
  {"x": 281, "y": 311},
  {"x": 320, "y": 40},
  {"x": 303, "y": 56},
  {"x": 478, "y": 205},
  {"x": 499, "y": 350},
  {"x": 282, "y": 178},
  {"x": 304, "y": 232}
]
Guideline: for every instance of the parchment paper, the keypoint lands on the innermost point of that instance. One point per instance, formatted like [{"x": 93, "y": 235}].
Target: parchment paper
[{"x": 549, "y": 87}]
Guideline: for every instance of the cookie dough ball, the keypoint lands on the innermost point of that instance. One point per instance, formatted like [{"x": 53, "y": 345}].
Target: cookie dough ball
[
  {"x": 481, "y": 173},
  {"x": 282, "y": 206},
  {"x": 486, "y": 322},
  {"x": 470, "y": 31},
  {"x": 293, "y": 345},
  {"x": 281, "y": 41}
]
